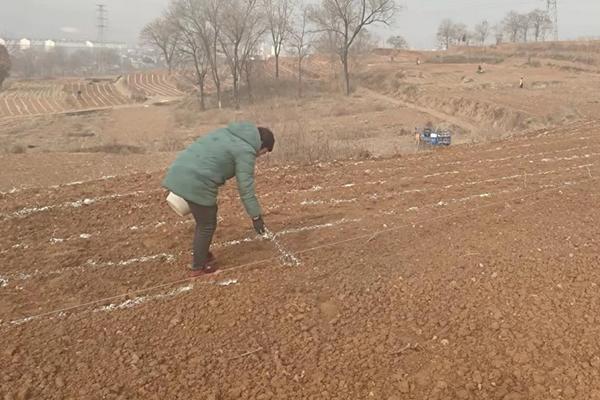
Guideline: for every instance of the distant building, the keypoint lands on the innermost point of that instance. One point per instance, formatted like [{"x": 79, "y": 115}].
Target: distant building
[
  {"x": 49, "y": 44},
  {"x": 2, "y": 42},
  {"x": 24, "y": 44}
]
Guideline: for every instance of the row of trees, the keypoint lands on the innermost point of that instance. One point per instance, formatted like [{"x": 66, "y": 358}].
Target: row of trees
[
  {"x": 521, "y": 27},
  {"x": 517, "y": 27},
  {"x": 221, "y": 38}
]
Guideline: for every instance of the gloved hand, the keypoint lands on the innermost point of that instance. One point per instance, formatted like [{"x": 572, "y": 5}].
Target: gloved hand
[{"x": 259, "y": 225}]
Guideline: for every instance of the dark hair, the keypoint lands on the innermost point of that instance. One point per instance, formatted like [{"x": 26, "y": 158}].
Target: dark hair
[{"x": 267, "y": 138}]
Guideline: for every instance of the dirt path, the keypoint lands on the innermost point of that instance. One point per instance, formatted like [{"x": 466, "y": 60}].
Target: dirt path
[{"x": 470, "y": 128}]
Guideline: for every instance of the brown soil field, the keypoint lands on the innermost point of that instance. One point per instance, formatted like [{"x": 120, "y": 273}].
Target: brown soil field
[{"x": 468, "y": 272}]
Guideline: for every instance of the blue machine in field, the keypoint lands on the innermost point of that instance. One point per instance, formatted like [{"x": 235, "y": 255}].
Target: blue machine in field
[{"x": 435, "y": 137}]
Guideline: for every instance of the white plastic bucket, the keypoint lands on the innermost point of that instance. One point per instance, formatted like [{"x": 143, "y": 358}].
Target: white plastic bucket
[{"x": 178, "y": 204}]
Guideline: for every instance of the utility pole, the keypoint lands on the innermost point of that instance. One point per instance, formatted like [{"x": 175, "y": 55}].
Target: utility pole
[
  {"x": 553, "y": 12},
  {"x": 101, "y": 25}
]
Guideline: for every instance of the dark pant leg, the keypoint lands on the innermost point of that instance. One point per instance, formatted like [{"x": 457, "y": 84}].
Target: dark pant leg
[{"x": 206, "y": 224}]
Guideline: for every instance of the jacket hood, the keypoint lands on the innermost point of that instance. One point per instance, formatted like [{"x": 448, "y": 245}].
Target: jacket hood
[{"x": 246, "y": 131}]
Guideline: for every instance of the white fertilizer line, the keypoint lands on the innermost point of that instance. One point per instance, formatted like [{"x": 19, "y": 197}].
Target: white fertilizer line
[
  {"x": 82, "y": 236},
  {"x": 156, "y": 225},
  {"x": 330, "y": 201},
  {"x": 575, "y": 157},
  {"x": 75, "y": 183},
  {"x": 442, "y": 174},
  {"x": 285, "y": 232},
  {"x": 286, "y": 258},
  {"x": 74, "y": 204},
  {"x": 123, "y": 263},
  {"x": 142, "y": 299},
  {"x": 387, "y": 171},
  {"x": 372, "y": 196},
  {"x": 423, "y": 190},
  {"x": 24, "y": 276},
  {"x": 130, "y": 303}
]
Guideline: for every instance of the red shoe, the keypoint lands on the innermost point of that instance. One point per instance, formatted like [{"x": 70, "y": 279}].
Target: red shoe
[{"x": 207, "y": 270}]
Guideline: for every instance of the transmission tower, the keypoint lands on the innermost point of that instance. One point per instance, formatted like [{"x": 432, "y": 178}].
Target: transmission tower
[
  {"x": 101, "y": 25},
  {"x": 101, "y": 22},
  {"x": 553, "y": 12}
]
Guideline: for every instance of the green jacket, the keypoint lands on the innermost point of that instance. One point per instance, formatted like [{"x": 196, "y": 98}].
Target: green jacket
[{"x": 206, "y": 164}]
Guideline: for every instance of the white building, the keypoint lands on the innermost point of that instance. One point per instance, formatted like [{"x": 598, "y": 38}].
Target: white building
[
  {"x": 49, "y": 44},
  {"x": 24, "y": 44},
  {"x": 69, "y": 45}
]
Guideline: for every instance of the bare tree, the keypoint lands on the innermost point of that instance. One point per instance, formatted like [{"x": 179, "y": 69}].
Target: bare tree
[
  {"x": 482, "y": 32},
  {"x": 365, "y": 43},
  {"x": 345, "y": 19},
  {"x": 242, "y": 29},
  {"x": 498, "y": 30},
  {"x": 446, "y": 33},
  {"x": 250, "y": 47},
  {"x": 192, "y": 51},
  {"x": 161, "y": 34},
  {"x": 206, "y": 18},
  {"x": 461, "y": 33},
  {"x": 5, "y": 64},
  {"x": 512, "y": 25},
  {"x": 397, "y": 42},
  {"x": 300, "y": 44},
  {"x": 278, "y": 15},
  {"x": 541, "y": 23},
  {"x": 524, "y": 26},
  {"x": 210, "y": 34}
]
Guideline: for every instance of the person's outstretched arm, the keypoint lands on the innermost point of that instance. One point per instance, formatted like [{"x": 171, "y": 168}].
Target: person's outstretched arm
[{"x": 244, "y": 174}]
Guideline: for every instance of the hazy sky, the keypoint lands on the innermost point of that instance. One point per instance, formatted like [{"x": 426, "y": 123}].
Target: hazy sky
[{"x": 418, "y": 21}]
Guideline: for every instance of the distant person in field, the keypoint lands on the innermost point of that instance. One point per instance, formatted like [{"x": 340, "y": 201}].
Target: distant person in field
[
  {"x": 207, "y": 164},
  {"x": 521, "y": 83},
  {"x": 79, "y": 95},
  {"x": 418, "y": 61}
]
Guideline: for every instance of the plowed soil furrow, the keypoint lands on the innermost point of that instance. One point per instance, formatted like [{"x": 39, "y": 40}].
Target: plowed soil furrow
[
  {"x": 548, "y": 153},
  {"x": 384, "y": 207},
  {"x": 350, "y": 311},
  {"x": 59, "y": 280},
  {"x": 164, "y": 81},
  {"x": 154, "y": 86},
  {"x": 398, "y": 186},
  {"x": 469, "y": 272}
]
